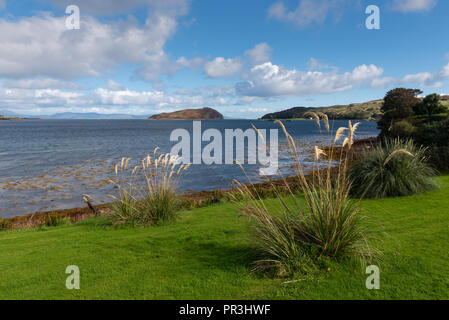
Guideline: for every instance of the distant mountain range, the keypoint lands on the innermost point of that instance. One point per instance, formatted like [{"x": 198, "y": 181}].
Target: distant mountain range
[
  {"x": 73, "y": 115},
  {"x": 92, "y": 115}
]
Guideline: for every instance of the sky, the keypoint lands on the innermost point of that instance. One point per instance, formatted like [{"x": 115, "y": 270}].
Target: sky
[{"x": 245, "y": 58}]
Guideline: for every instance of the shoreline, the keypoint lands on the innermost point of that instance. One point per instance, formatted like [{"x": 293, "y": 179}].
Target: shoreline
[{"x": 190, "y": 200}]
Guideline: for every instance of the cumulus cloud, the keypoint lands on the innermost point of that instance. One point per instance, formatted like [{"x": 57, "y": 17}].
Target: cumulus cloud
[
  {"x": 41, "y": 83},
  {"x": 428, "y": 78},
  {"x": 114, "y": 99},
  {"x": 41, "y": 46},
  {"x": 308, "y": 12},
  {"x": 260, "y": 53},
  {"x": 128, "y": 97},
  {"x": 414, "y": 5},
  {"x": 223, "y": 68},
  {"x": 422, "y": 79},
  {"x": 315, "y": 64},
  {"x": 31, "y": 100},
  {"x": 382, "y": 82},
  {"x": 115, "y": 86},
  {"x": 160, "y": 63},
  {"x": 268, "y": 80}
]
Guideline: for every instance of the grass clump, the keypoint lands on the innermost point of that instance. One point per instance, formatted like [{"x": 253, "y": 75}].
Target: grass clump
[
  {"x": 147, "y": 192},
  {"x": 54, "y": 220},
  {"x": 320, "y": 222},
  {"x": 5, "y": 224},
  {"x": 394, "y": 168}
]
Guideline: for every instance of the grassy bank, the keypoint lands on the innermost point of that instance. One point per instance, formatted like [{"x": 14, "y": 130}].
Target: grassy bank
[{"x": 205, "y": 255}]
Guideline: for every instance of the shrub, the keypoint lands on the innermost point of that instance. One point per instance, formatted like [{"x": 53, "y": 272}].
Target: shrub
[
  {"x": 429, "y": 106},
  {"x": 323, "y": 222},
  {"x": 402, "y": 129},
  {"x": 395, "y": 168},
  {"x": 439, "y": 158},
  {"x": 5, "y": 224},
  {"x": 53, "y": 220},
  {"x": 147, "y": 193},
  {"x": 433, "y": 133}
]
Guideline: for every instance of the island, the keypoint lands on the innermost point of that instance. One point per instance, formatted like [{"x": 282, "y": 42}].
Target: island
[{"x": 190, "y": 114}]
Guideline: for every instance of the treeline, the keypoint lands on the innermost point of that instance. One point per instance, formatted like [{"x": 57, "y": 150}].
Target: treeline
[{"x": 426, "y": 121}]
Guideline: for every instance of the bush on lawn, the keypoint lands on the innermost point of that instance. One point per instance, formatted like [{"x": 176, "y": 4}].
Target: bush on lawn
[{"x": 392, "y": 169}]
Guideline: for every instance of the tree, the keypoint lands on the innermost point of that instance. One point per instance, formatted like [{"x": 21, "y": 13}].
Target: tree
[
  {"x": 398, "y": 105},
  {"x": 429, "y": 106}
]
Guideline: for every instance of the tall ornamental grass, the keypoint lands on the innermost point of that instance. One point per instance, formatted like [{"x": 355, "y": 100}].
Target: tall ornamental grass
[
  {"x": 321, "y": 221},
  {"x": 147, "y": 192},
  {"x": 394, "y": 168}
]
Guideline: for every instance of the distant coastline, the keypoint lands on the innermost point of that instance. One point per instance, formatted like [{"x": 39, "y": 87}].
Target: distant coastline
[
  {"x": 366, "y": 111},
  {"x": 2, "y": 118}
]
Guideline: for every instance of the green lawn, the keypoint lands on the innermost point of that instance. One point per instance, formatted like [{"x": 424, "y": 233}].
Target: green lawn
[{"x": 205, "y": 256}]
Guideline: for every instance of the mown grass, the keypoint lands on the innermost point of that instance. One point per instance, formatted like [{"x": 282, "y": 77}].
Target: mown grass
[{"x": 206, "y": 255}]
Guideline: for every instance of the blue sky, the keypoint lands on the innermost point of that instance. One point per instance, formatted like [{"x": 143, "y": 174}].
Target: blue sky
[{"x": 244, "y": 58}]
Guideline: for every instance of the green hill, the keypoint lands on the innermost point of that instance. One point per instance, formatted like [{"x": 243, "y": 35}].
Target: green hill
[{"x": 357, "y": 111}]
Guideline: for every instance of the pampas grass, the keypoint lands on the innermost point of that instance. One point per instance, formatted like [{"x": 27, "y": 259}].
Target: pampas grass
[
  {"x": 147, "y": 192},
  {"x": 321, "y": 222},
  {"x": 394, "y": 168}
]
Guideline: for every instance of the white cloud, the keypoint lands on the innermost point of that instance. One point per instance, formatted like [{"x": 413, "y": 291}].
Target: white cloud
[
  {"x": 315, "y": 64},
  {"x": 427, "y": 78},
  {"x": 268, "y": 80},
  {"x": 260, "y": 53},
  {"x": 254, "y": 110},
  {"x": 116, "y": 99},
  {"x": 115, "y": 86},
  {"x": 413, "y": 5},
  {"x": 30, "y": 100},
  {"x": 41, "y": 83},
  {"x": 41, "y": 46},
  {"x": 382, "y": 82},
  {"x": 223, "y": 68},
  {"x": 308, "y": 12},
  {"x": 128, "y": 97},
  {"x": 422, "y": 79}
]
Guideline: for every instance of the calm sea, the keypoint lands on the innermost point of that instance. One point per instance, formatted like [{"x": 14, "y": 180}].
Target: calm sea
[{"x": 49, "y": 164}]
